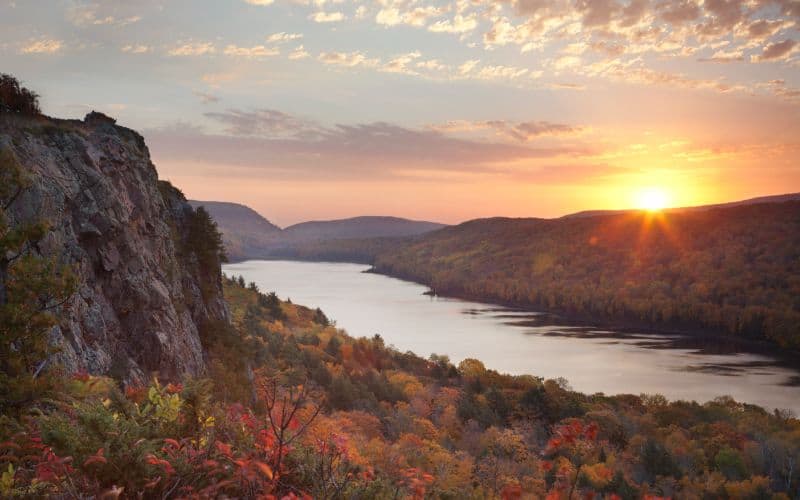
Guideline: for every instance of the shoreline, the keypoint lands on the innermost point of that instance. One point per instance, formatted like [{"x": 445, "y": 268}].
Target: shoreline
[{"x": 784, "y": 358}]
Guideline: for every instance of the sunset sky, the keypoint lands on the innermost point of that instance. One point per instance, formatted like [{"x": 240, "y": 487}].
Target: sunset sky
[{"x": 439, "y": 110}]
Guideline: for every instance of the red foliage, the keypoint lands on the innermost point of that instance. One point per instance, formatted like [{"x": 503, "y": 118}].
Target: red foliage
[
  {"x": 511, "y": 492},
  {"x": 417, "y": 482}
]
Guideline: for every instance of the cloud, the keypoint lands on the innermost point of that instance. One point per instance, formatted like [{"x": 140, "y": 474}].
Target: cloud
[
  {"x": 192, "y": 49},
  {"x": 776, "y": 51},
  {"x": 205, "y": 97},
  {"x": 597, "y": 12},
  {"x": 400, "y": 63},
  {"x": 259, "y": 2},
  {"x": 567, "y": 86},
  {"x": 136, "y": 49},
  {"x": 250, "y": 52},
  {"x": 459, "y": 24},
  {"x": 391, "y": 16},
  {"x": 348, "y": 59},
  {"x": 764, "y": 28},
  {"x": 517, "y": 131},
  {"x": 283, "y": 37},
  {"x": 431, "y": 65},
  {"x": 781, "y": 89},
  {"x": 327, "y": 17},
  {"x": 216, "y": 80},
  {"x": 43, "y": 46},
  {"x": 298, "y": 53},
  {"x": 98, "y": 15},
  {"x": 500, "y": 72},
  {"x": 268, "y": 123},
  {"x": 722, "y": 56},
  {"x": 467, "y": 67},
  {"x": 283, "y": 144}
]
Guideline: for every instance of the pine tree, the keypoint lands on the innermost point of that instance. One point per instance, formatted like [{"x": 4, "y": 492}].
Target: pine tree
[{"x": 31, "y": 288}]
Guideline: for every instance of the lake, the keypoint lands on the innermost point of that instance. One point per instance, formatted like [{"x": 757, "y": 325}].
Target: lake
[{"x": 525, "y": 342}]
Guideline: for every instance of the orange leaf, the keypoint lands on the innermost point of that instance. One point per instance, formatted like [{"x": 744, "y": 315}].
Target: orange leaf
[
  {"x": 223, "y": 448},
  {"x": 265, "y": 469}
]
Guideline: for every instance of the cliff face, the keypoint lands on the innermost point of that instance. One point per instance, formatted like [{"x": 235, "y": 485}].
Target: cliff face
[{"x": 143, "y": 297}]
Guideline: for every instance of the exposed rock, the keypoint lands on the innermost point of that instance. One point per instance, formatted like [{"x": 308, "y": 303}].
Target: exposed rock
[{"x": 142, "y": 299}]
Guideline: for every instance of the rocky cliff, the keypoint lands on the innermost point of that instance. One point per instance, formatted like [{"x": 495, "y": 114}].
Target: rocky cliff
[{"x": 144, "y": 295}]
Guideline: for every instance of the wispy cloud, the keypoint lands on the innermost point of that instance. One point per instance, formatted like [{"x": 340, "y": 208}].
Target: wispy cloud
[
  {"x": 347, "y": 59},
  {"x": 327, "y": 17},
  {"x": 136, "y": 49},
  {"x": 273, "y": 140},
  {"x": 43, "y": 46},
  {"x": 776, "y": 51},
  {"x": 251, "y": 52},
  {"x": 283, "y": 37},
  {"x": 192, "y": 49}
]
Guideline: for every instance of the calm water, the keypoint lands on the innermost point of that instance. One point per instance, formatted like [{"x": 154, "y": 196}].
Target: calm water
[{"x": 518, "y": 342}]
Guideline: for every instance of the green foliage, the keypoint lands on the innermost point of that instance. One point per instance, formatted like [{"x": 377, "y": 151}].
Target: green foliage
[
  {"x": 729, "y": 462},
  {"x": 205, "y": 241}
]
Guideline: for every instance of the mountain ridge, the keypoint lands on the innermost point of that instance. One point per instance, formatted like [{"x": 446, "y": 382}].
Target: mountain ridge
[{"x": 244, "y": 240}]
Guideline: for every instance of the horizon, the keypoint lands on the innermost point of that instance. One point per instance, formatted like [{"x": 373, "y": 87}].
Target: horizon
[
  {"x": 663, "y": 209},
  {"x": 446, "y": 110}
]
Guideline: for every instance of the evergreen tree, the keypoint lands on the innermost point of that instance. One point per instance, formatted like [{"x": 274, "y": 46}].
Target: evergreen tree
[{"x": 31, "y": 288}]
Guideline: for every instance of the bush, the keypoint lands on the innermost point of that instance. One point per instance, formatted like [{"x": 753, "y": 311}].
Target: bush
[{"x": 14, "y": 98}]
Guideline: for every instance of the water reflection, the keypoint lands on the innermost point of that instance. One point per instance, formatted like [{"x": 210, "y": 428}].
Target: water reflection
[{"x": 523, "y": 342}]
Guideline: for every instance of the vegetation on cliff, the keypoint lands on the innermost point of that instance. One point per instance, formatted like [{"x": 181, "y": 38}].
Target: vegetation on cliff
[
  {"x": 14, "y": 98},
  {"x": 30, "y": 288}
]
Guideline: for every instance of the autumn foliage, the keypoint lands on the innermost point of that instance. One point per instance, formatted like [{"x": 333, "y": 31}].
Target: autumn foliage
[{"x": 294, "y": 408}]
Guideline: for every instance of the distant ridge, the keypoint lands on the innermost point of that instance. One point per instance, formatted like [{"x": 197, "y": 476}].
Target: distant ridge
[
  {"x": 248, "y": 235},
  {"x": 778, "y": 198},
  {"x": 359, "y": 227}
]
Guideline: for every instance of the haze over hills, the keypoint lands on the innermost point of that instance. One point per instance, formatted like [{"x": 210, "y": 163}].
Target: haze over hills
[{"x": 247, "y": 234}]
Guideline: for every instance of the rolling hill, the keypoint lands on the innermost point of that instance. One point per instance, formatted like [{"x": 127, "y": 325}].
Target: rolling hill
[
  {"x": 732, "y": 270},
  {"x": 248, "y": 235}
]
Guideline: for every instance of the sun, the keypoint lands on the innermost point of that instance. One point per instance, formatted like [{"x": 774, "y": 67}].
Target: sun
[{"x": 652, "y": 199}]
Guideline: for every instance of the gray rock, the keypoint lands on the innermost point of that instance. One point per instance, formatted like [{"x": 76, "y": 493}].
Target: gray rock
[{"x": 142, "y": 299}]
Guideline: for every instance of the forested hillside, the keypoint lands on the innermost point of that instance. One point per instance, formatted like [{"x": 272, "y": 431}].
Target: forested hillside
[
  {"x": 245, "y": 232},
  {"x": 292, "y": 406},
  {"x": 729, "y": 270}
]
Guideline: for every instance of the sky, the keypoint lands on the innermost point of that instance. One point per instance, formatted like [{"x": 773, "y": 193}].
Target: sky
[{"x": 441, "y": 110}]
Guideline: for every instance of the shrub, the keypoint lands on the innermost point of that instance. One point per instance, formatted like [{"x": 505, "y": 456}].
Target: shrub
[{"x": 14, "y": 98}]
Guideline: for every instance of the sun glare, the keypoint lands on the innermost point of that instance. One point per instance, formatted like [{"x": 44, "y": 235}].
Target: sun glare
[{"x": 652, "y": 199}]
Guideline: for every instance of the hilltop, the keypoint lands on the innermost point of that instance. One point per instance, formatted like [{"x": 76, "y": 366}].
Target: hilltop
[{"x": 248, "y": 235}]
